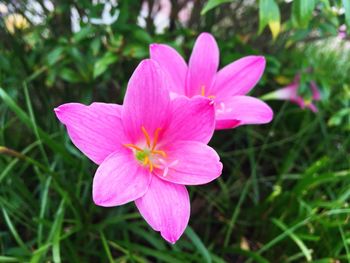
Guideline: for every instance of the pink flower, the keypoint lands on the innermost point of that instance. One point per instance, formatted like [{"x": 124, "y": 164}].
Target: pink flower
[
  {"x": 227, "y": 88},
  {"x": 147, "y": 149},
  {"x": 342, "y": 32},
  {"x": 290, "y": 93}
]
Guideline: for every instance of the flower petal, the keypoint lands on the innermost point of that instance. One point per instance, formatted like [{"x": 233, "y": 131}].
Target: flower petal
[
  {"x": 192, "y": 119},
  {"x": 316, "y": 94},
  {"x": 119, "y": 180},
  {"x": 146, "y": 102},
  {"x": 203, "y": 65},
  {"x": 312, "y": 107},
  {"x": 239, "y": 77},
  {"x": 241, "y": 110},
  {"x": 166, "y": 208},
  {"x": 289, "y": 92},
  {"x": 190, "y": 163},
  {"x": 96, "y": 130},
  {"x": 173, "y": 65}
]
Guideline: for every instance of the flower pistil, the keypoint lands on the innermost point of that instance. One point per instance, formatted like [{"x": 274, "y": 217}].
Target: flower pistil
[{"x": 148, "y": 155}]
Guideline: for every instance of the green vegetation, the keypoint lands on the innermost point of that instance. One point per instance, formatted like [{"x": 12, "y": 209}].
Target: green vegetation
[{"x": 284, "y": 192}]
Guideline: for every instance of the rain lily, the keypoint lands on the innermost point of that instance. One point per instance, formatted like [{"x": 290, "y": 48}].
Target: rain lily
[
  {"x": 291, "y": 93},
  {"x": 226, "y": 88},
  {"x": 148, "y": 149}
]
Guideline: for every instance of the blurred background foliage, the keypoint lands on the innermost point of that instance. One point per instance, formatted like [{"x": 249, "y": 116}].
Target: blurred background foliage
[{"x": 283, "y": 195}]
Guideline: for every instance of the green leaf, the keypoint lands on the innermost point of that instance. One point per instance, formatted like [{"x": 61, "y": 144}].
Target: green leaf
[
  {"x": 142, "y": 36},
  {"x": 55, "y": 233},
  {"x": 84, "y": 33},
  {"x": 102, "y": 64},
  {"x": 54, "y": 56},
  {"x": 106, "y": 247},
  {"x": 251, "y": 255},
  {"x": 8, "y": 259},
  {"x": 346, "y": 4},
  {"x": 339, "y": 118},
  {"x": 212, "y": 4},
  {"x": 135, "y": 51},
  {"x": 95, "y": 46},
  {"x": 69, "y": 75},
  {"x": 198, "y": 244},
  {"x": 302, "y": 12},
  {"x": 14, "y": 231},
  {"x": 304, "y": 249},
  {"x": 269, "y": 14},
  {"x": 326, "y": 4},
  {"x": 23, "y": 116}
]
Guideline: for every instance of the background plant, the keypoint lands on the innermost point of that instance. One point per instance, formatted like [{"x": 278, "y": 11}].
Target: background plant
[{"x": 283, "y": 195}]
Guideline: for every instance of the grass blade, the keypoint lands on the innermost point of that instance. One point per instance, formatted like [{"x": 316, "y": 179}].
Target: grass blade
[{"x": 198, "y": 244}]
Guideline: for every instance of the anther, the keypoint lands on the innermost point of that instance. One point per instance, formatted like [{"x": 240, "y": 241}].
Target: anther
[
  {"x": 146, "y": 161},
  {"x": 155, "y": 139},
  {"x": 148, "y": 139},
  {"x": 203, "y": 90},
  {"x": 129, "y": 145},
  {"x": 162, "y": 153},
  {"x": 151, "y": 167}
]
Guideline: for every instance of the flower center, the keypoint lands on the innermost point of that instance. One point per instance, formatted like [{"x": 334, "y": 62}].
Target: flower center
[
  {"x": 148, "y": 155},
  {"x": 203, "y": 93},
  {"x": 307, "y": 102}
]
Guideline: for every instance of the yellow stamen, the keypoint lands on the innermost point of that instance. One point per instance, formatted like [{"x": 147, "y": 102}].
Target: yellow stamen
[
  {"x": 155, "y": 139},
  {"x": 307, "y": 102},
  {"x": 148, "y": 139},
  {"x": 129, "y": 145},
  {"x": 146, "y": 161},
  {"x": 151, "y": 167},
  {"x": 203, "y": 93},
  {"x": 162, "y": 153},
  {"x": 145, "y": 156},
  {"x": 203, "y": 90}
]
